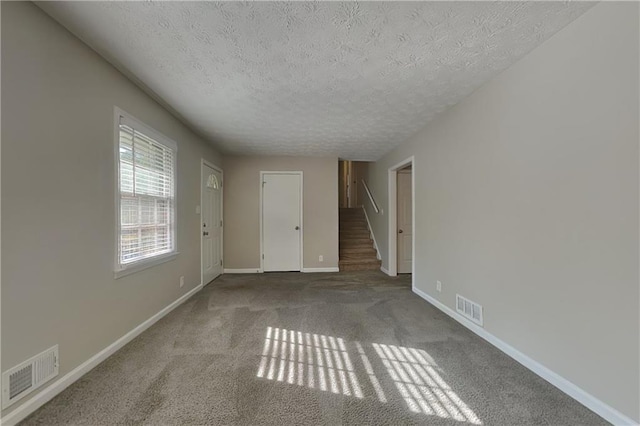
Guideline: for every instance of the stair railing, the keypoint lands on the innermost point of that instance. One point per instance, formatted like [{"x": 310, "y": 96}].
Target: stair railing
[{"x": 373, "y": 202}]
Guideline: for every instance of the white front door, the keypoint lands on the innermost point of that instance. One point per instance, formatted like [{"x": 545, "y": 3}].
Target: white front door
[
  {"x": 281, "y": 221},
  {"x": 405, "y": 225},
  {"x": 211, "y": 215}
]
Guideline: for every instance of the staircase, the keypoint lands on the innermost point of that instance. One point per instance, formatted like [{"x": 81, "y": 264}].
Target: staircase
[{"x": 356, "y": 247}]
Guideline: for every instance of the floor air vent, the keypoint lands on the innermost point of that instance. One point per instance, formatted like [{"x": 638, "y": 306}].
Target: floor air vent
[
  {"x": 24, "y": 378},
  {"x": 469, "y": 309}
]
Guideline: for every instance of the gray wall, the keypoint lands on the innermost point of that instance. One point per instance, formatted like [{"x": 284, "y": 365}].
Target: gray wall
[
  {"x": 242, "y": 209},
  {"x": 58, "y": 197},
  {"x": 527, "y": 203}
]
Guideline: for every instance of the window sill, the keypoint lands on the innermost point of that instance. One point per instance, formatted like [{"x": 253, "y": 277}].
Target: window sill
[{"x": 144, "y": 264}]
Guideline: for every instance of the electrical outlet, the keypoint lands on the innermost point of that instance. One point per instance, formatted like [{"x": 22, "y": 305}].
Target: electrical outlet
[
  {"x": 438, "y": 286},
  {"x": 321, "y": 258},
  {"x": 181, "y": 281}
]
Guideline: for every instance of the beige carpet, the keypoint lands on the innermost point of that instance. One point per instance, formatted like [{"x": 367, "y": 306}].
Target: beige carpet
[{"x": 310, "y": 349}]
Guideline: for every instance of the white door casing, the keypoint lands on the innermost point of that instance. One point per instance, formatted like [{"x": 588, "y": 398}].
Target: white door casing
[
  {"x": 211, "y": 223},
  {"x": 342, "y": 184},
  {"x": 392, "y": 221},
  {"x": 405, "y": 225},
  {"x": 281, "y": 221},
  {"x": 349, "y": 189}
]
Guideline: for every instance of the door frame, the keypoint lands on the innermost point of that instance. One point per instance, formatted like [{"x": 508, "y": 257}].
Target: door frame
[
  {"x": 261, "y": 189},
  {"x": 203, "y": 163},
  {"x": 393, "y": 219},
  {"x": 349, "y": 189}
]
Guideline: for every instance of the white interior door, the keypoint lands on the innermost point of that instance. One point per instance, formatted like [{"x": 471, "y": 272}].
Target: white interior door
[
  {"x": 282, "y": 221},
  {"x": 405, "y": 225},
  {"x": 211, "y": 215}
]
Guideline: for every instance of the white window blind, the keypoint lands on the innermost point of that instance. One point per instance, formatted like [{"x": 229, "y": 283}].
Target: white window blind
[{"x": 147, "y": 194}]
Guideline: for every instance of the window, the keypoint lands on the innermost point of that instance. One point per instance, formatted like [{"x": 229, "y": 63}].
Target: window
[
  {"x": 146, "y": 195},
  {"x": 212, "y": 182}
]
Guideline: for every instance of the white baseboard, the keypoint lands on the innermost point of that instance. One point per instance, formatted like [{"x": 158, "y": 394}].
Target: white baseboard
[
  {"x": 242, "y": 271},
  {"x": 330, "y": 269},
  {"x": 591, "y": 402},
  {"x": 44, "y": 396},
  {"x": 385, "y": 270},
  {"x": 257, "y": 271},
  {"x": 373, "y": 236}
]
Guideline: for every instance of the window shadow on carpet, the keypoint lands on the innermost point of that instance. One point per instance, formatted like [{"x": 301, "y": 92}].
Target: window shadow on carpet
[{"x": 322, "y": 362}]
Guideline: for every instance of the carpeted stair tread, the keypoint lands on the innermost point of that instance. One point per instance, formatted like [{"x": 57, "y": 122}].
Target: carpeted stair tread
[{"x": 356, "y": 246}]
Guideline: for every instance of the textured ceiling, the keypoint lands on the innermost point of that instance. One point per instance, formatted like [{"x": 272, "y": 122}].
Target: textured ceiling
[{"x": 338, "y": 79}]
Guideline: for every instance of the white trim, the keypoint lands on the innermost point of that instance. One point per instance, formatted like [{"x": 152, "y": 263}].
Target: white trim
[
  {"x": 349, "y": 170},
  {"x": 120, "y": 270},
  {"x": 591, "y": 402},
  {"x": 141, "y": 265},
  {"x": 393, "y": 213},
  {"x": 1, "y": 235},
  {"x": 328, "y": 269},
  {"x": 385, "y": 270},
  {"x": 242, "y": 271},
  {"x": 287, "y": 172},
  {"x": 392, "y": 210},
  {"x": 301, "y": 220},
  {"x": 131, "y": 121},
  {"x": 373, "y": 236},
  {"x": 260, "y": 189},
  {"x": 203, "y": 163},
  {"x": 65, "y": 381}
]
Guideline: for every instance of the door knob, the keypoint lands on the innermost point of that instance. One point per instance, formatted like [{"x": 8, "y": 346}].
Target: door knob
[
  {"x": 400, "y": 231},
  {"x": 205, "y": 233},
  {"x": 297, "y": 227}
]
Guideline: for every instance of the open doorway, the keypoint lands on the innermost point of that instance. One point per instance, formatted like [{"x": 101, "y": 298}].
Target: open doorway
[
  {"x": 344, "y": 183},
  {"x": 402, "y": 217},
  {"x": 350, "y": 191}
]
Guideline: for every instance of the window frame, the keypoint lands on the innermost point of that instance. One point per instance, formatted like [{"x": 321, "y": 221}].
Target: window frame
[{"x": 121, "y": 270}]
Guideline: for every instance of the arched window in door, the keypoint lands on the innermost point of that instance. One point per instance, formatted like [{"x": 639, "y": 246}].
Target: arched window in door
[{"x": 213, "y": 182}]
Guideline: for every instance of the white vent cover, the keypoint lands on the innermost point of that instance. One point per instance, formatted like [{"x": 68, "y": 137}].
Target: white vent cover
[
  {"x": 24, "y": 378},
  {"x": 469, "y": 309}
]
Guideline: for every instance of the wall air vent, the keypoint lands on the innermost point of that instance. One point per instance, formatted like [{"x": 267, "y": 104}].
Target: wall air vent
[
  {"x": 469, "y": 309},
  {"x": 28, "y": 376}
]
